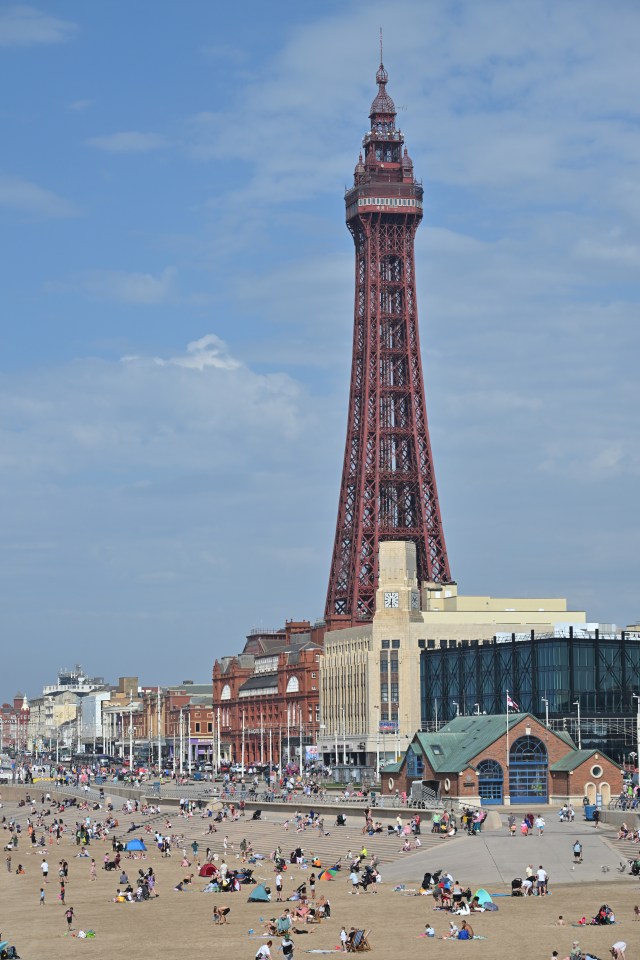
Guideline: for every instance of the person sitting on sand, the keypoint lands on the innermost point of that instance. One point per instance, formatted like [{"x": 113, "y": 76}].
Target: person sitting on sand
[
  {"x": 463, "y": 908},
  {"x": 465, "y": 932},
  {"x": 453, "y": 932}
]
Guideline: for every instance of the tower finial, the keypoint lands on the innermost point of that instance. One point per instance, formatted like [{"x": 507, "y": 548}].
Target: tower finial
[{"x": 381, "y": 60}]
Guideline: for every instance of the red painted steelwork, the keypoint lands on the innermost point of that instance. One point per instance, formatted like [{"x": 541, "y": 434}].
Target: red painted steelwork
[{"x": 388, "y": 489}]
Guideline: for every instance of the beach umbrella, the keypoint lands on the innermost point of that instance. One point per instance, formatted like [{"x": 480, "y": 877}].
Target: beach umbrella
[{"x": 328, "y": 874}]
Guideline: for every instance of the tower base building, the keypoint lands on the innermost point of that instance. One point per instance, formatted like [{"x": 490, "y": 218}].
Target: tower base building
[{"x": 371, "y": 692}]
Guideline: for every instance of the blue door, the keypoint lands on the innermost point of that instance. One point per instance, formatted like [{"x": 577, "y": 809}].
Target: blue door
[
  {"x": 528, "y": 771},
  {"x": 490, "y": 782}
]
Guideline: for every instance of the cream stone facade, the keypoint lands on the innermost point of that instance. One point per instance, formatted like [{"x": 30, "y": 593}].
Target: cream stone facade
[{"x": 370, "y": 675}]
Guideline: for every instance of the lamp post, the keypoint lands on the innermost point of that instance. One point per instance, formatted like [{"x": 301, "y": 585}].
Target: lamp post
[
  {"x": 476, "y": 709},
  {"x": 636, "y": 696},
  {"x": 131, "y": 733},
  {"x": 288, "y": 734},
  {"x": 546, "y": 711},
  {"x": 576, "y": 703},
  {"x": 181, "y": 744},
  {"x": 242, "y": 761},
  {"x": 457, "y": 706},
  {"x": 376, "y": 707},
  {"x": 159, "y": 732}
]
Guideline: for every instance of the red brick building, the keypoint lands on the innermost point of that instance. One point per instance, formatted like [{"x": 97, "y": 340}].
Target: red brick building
[
  {"x": 14, "y": 720},
  {"x": 267, "y": 697},
  {"x": 498, "y": 759}
]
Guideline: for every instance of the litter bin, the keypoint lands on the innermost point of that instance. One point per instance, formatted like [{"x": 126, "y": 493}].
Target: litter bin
[{"x": 588, "y": 811}]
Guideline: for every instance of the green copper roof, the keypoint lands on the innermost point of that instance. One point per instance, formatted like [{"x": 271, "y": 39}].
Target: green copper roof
[
  {"x": 574, "y": 758},
  {"x": 392, "y": 767},
  {"x": 456, "y": 744}
]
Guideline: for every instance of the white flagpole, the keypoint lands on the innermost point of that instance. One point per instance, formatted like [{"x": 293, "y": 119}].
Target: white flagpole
[{"x": 507, "y": 705}]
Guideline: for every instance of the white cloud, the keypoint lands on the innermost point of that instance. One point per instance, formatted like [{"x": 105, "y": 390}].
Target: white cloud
[
  {"x": 24, "y": 26},
  {"x": 80, "y": 105},
  {"x": 124, "y": 287},
  {"x": 208, "y": 351},
  {"x": 149, "y": 416},
  {"x": 128, "y": 141},
  {"x": 30, "y": 198}
]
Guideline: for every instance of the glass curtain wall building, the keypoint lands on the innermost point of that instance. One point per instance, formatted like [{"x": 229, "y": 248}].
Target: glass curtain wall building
[{"x": 599, "y": 671}]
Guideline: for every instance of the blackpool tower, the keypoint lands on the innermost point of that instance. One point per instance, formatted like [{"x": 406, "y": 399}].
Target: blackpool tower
[{"x": 388, "y": 489}]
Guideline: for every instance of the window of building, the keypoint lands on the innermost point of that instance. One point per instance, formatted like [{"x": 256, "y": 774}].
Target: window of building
[
  {"x": 313, "y": 676},
  {"x": 317, "y": 712},
  {"x": 293, "y": 685},
  {"x": 394, "y": 664},
  {"x": 226, "y": 692},
  {"x": 384, "y": 692},
  {"x": 385, "y": 644},
  {"x": 197, "y": 728},
  {"x": 384, "y": 665},
  {"x": 394, "y": 693},
  {"x": 415, "y": 763},
  {"x": 395, "y": 644},
  {"x": 209, "y": 728}
]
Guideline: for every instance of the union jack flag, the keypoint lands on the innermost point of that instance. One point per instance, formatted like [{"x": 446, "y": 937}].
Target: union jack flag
[{"x": 511, "y": 704}]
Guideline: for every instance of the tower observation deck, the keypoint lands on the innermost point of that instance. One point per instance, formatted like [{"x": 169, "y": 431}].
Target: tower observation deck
[{"x": 388, "y": 489}]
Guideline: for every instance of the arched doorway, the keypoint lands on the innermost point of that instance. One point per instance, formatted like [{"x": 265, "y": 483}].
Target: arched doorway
[
  {"x": 605, "y": 793},
  {"x": 590, "y": 792},
  {"x": 528, "y": 771},
  {"x": 490, "y": 782}
]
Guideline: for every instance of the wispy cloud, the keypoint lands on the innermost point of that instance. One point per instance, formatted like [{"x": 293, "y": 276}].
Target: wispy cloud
[
  {"x": 128, "y": 141},
  {"x": 29, "y": 198},
  {"x": 25, "y": 26},
  {"x": 79, "y": 105},
  {"x": 124, "y": 287},
  {"x": 208, "y": 351}
]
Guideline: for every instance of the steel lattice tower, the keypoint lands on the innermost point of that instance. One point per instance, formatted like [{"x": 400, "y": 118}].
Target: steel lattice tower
[{"x": 388, "y": 489}]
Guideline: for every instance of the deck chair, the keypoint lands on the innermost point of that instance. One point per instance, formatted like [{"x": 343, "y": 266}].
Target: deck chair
[{"x": 359, "y": 943}]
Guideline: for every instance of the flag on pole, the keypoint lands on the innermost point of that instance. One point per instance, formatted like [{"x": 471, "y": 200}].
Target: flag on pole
[{"x": 511, "y": 704}]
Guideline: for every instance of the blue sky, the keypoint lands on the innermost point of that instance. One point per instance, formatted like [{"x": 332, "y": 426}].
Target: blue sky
[{"x": 177, "y": 285}]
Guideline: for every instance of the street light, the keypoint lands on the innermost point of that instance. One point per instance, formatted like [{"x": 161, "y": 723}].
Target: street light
[
  {"x": 476, "y": 709},
  {"x": 576, "y": 703},
  {"x": 546, "y": 711},
  {"x": 377, "y": 708},
  {"x": 457, "y": 706},
  {"x": 636, "y": 696}
]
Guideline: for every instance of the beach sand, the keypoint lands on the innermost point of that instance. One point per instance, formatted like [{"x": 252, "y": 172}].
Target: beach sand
[{"x": 181, "y": 922}]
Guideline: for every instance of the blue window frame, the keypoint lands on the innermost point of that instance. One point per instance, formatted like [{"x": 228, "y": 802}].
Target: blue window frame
[{"x": 528, "y": 771}]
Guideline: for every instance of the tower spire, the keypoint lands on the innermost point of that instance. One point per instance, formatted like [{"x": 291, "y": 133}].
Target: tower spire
[{"x": 381, "y": 58}]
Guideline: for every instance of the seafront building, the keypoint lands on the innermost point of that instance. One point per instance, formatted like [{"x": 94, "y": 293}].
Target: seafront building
[
  {"x": 371, "y": 691},
  {"x": 266, "y": 700},
  {"x": 512, "y": 758}
]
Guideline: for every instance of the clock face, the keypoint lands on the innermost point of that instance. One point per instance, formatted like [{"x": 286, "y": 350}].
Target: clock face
[
  {"x": 391, "y": 599},
  {"x": 415, "y": 601}
]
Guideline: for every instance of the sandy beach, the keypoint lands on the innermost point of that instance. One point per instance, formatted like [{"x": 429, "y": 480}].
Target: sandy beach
[{"x": 181, "y": 922}]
